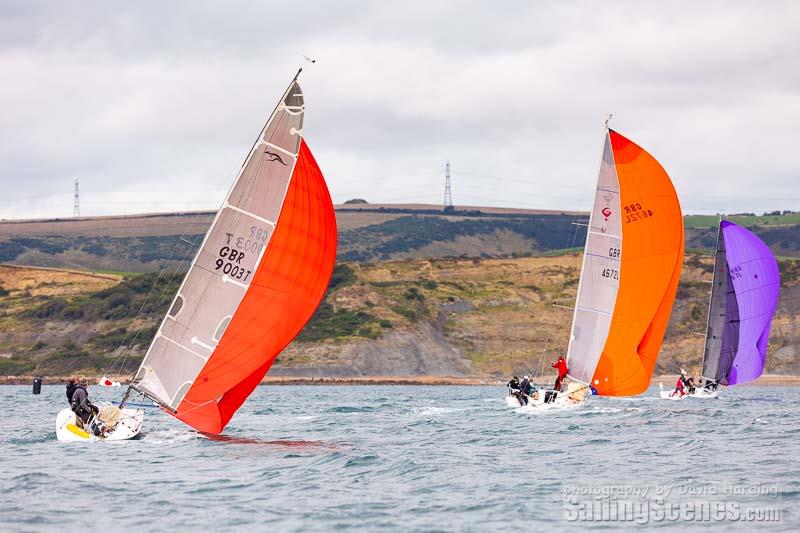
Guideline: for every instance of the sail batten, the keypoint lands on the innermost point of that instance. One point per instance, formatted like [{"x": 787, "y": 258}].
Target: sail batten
[{"x": 219, "y": 338}]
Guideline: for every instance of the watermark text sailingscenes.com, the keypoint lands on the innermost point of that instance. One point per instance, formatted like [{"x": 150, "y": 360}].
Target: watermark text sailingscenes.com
[{"x": 690, "y": 502}]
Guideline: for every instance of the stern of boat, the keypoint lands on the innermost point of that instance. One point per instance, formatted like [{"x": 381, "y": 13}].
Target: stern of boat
[{"x": 122, "y": 424}]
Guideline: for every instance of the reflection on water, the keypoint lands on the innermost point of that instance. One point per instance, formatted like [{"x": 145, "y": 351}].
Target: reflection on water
[{"x": 302, "y": 445}]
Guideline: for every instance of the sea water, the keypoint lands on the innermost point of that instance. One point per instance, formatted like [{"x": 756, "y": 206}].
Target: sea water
[{"x": 314, "y": 458}]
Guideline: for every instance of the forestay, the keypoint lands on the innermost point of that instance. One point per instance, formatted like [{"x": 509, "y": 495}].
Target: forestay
[{"x": 259, "y": 274}]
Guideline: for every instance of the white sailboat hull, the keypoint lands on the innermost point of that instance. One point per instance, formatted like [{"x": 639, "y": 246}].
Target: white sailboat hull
[
  {"x": 704, "y": 394},
  {"x": 668, "y": 395},
  {"x": 128, "y": 426},
  {"x": 698, "y": 393},
  {"x": 538, "y": 401},
  {"x": 512, "y": 401}
]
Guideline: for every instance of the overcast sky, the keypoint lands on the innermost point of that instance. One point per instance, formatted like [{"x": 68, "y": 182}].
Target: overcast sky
[{"x": 153, "y": 105}]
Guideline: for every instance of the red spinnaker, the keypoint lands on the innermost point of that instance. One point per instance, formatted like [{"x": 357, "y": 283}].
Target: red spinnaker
[{"x": 287, "y": 287}]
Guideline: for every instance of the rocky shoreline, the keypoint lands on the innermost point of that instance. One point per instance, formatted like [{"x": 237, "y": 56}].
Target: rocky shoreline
[{"x": 768, "y": 380}]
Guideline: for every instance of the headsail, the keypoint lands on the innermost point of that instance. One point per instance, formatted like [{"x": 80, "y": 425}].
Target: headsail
[
  {"x": 259, "y": 275},
  {"x": 631, "y": 269},
  {"x": 743, "y": 301}
]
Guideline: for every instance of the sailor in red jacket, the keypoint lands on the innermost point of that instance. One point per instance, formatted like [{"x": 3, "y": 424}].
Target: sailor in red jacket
[
  {"x": 680, "y": 388},
  {"x": 561, "y": 366}
]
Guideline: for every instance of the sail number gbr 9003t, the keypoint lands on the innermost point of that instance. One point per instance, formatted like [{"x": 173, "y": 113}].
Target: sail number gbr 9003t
[{"x": 230, "y": 256}]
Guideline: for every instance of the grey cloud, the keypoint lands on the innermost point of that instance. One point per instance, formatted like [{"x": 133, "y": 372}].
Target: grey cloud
[{"x": 153, "y": 104}]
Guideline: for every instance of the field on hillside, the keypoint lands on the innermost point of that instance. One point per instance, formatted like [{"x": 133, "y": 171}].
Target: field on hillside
[
  {"x": 367, "y": 233},
  {"x": 151, "y": 242},
  {"x": 445, "y": 317},
  {"x": 749, "y": 220}
]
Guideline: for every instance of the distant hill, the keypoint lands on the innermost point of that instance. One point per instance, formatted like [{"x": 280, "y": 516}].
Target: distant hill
[
  {"x": 453, "y": 317},
  {"x": 367, "y": 232}
]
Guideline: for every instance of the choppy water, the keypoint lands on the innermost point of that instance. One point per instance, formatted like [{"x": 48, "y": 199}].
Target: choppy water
[{"x": 404, "y": 458}]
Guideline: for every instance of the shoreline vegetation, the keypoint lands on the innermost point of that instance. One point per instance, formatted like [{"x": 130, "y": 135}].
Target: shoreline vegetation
[
  {"x": 462, "y": 317},
  {"x": 473, "y": 295},
  {"x": 766, "y": 380}
]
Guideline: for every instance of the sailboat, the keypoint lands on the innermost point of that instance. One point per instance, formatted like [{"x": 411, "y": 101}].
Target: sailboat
[
  {"x": 744, "y": 297},
  {"x": 632, "y": 264},
  {"x": 258, "y": 276}
]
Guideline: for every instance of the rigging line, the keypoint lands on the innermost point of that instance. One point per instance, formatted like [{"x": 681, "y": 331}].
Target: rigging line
[
  {"x": 374, "y": 179},
  {"x": 186, "y": 225},
  {"x": 571, "y": 242},
  {"x": 178, "y": 268},
  {"x": 125, "y": 353},
  {"x": 256, "y": 171}
]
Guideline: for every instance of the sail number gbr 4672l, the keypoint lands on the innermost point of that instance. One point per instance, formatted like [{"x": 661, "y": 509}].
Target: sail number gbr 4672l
[
  {"x": 635, "y": 212},
  {"x": 612, "y": 273}
]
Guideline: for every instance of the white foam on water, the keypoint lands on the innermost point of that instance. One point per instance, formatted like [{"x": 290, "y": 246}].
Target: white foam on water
[
  {"x": 546, "y": 408},
  {"x": 606, "y": 409},
  {"x": 433, "y": 410},
  {"x": 169, "y": 435}
]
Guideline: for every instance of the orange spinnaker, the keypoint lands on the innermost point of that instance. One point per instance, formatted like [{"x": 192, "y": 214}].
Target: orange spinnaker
[
  {"x": 652, "y": 257},
  {"x": 286, "y": 290}
]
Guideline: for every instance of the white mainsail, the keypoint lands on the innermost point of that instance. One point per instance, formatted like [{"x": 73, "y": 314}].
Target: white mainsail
[
  {"x": 225, "y": 264},
  {"x": 599, "y": 279}
]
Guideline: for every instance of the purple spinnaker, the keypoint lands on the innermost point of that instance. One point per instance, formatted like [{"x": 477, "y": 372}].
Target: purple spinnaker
[{"x": 754, "y": 283}]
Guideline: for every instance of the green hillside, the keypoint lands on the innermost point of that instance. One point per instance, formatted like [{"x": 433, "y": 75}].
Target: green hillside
[
  {"x": 149, "y": 243},
  {"x": 471, "y": 317},
  {"x": 776, "y": 218}
]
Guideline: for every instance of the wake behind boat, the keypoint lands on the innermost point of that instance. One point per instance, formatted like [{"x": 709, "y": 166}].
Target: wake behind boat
[
  {"x": 629, "y": 278},
  {"x": 258, "y": 276}
]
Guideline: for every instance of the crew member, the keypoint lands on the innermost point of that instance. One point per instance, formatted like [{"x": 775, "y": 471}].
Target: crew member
[
  {"x": 525, "y": 389},
  {"x": 513, "y": 389},
  {"x": 513, "y": 384},
  {"x": 81, "y": 405},
  {"x": 690, "y": 385},
  {"x": 72, "y": 384},
  {"x": 561, "y": 366},
  {"x": 680, "y": 390}
]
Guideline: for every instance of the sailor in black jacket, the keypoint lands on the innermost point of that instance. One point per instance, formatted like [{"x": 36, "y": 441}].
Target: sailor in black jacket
[{"x": 72, "y": 384}]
